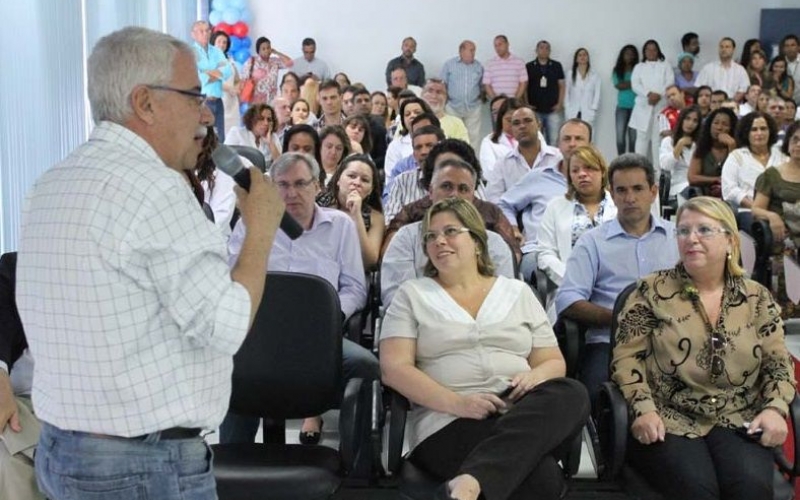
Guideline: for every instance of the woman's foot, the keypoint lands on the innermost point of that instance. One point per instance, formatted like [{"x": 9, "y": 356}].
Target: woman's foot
[
  {"x": 464, "y": 487},
  {"x": 311, "y": 432}
]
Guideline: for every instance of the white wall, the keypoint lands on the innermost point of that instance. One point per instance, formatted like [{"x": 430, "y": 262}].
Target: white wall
[{"x": 360, "y": 36}]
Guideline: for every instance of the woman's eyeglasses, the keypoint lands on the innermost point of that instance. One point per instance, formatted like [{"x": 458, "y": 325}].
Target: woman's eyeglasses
[
  {"x": 449, "y": 233},
  {"x": 703, "y": 232}
]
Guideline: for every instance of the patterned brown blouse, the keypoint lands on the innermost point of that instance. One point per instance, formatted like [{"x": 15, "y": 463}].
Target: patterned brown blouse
[{"x": 664, "y": 358}]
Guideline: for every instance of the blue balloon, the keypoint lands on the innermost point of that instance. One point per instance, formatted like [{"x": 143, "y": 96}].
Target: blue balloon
[
  {"x": 243, "y": 108},
  {"x": 241, "y": 55},
  {"x": 219, "y": 5},
  {"x": 214, "y": 17},
  {"x": 247, "y": 42},
  {"x": 237, "y": 4},
  {"x": 230, "y": 16},
  {"x": 236, "y": 44},
  {"x": 246, "y": 17}
]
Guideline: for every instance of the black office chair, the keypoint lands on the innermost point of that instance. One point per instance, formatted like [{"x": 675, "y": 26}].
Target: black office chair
[
  {"x": 255, "y": 156},
  {"x": 669, "y": 206},
  {"x": 761, "y": 233},
  {"x": 613, "y": 427},
  {"x": 290, "y": 366}
]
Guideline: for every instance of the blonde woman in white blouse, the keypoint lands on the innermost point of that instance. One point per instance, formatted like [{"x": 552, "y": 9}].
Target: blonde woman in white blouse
[
  {"x": 755, "y": 135},
  {"x": 582, "y": 97}
]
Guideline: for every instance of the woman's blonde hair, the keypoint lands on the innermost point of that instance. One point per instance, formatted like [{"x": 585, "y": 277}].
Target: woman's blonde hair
[
  {"x": 468, "y": 215},
  {"x": 592, "y": 157},
  {"x": 721, "y": 212}
]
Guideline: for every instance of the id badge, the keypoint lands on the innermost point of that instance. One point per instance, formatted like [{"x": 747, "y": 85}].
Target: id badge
[{"x": 543, "y": 82}]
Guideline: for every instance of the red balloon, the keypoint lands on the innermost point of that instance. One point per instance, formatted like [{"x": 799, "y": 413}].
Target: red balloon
[
  {"x": 240, "y": 29},
  {"x": 224, "y": 27}
]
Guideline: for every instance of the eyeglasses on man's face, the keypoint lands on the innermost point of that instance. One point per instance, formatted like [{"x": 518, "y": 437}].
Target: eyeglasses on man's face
[
  {"x": 297, "y": 185},
  {"x": 199, "y": 97}
]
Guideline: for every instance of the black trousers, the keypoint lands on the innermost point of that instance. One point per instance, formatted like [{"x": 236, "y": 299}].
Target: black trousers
[
  {"x": 721, "y": 465},
  {"x": 513, "y": 456}
]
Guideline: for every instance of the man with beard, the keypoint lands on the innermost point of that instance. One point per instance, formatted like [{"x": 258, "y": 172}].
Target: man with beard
[{"x": 435, "y": 94}]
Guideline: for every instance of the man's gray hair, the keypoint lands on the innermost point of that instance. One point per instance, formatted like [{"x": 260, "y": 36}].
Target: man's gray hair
[
  {"x": 123, "y": 60},
  {"x": 288, "y": 160}
]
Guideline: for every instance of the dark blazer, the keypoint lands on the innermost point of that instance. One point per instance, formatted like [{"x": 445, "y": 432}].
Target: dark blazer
[{"x": 12, "y": 337}]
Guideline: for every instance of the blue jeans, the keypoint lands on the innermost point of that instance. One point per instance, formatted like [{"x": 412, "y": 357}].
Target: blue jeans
[
  {"x": 623, "y": 116},
  {"x": 218, "y": 110},
  {"x": 357, "y": 362},
  {"x": 551, "y": 122},
  {"x": 78, "y": 465}
]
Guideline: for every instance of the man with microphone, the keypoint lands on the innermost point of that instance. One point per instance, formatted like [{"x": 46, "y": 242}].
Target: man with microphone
[{"x": 129, "y": 306}]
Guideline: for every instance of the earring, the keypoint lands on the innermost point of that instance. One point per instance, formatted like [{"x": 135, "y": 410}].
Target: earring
[{"x": 729, "y": 254}]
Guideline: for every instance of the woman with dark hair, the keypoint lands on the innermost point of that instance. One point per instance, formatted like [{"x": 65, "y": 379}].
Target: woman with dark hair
[
  {"x": 335, "y": 147},
  {"x": 300, "y": 112},
  {"x": 393, "y": 103},
  {"x": 401, "y": 147},
  {"x": 649, "y": 80},
  {"x": 290, "y": 76},
  {"x": 263, "y": 68},
  {"x": 230, "y": 87},
  {"x": 216, "y": 186},
  {"x": 713, "y": 146},
  {"x": 748, "y": 49},
  {"x": 757, "y": 69},
  {"x": 476, "y": 356},
  {"x": 703, "y": 100},
  {"x": 354, "y": 189},
  {"x": 677, "y": 149},
  {"x": 380, "y": 108},
  {"x": 257, "y": 132},
  {"x": 302, "y": 139},
  {"x": 583, "y": 89},
  {"x": 701, "y": 360},
  {"x": 500, "y": 141},
  {"x": 358, "y": 130},
  {"x": 342, "y": 79},
  {"x": 778, "y": 202},
  {"x": 621, "y": 76},
  {"x": 781, "y": 82},
  {"x": 755, "y": 135}
]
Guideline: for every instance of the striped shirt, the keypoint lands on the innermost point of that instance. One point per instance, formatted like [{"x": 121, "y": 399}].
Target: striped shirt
[
  {"x": 505, "y": 75},
  {"x": 463, "y": 84},
  {"x": 406, "y": 189}
]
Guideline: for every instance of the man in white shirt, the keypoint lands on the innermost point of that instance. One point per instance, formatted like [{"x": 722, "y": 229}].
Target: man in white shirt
[
  {"x": 725, "y": 74},
  {"x": 123, "y": 286},
  {"x": 751, "y": 100},
  {"x": 310, "y": 64},
  {"x": 789, "y": 49},
  {"x": 399, "y": 78}
]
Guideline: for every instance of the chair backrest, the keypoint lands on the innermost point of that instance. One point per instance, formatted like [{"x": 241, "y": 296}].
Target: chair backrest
[
  {"x": 252, "y": 154},
  {"x": 619, "y": 303},
  {"x": 290, "y": 365},
  {"x": 760, "y": 234}
]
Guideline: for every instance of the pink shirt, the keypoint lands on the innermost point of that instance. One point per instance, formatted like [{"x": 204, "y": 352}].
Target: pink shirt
[{"x": 505, "y": 75}]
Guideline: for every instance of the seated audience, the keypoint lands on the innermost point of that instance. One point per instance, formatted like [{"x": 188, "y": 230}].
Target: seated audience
[
  {"x": 283, "y": 114},
  {"x": 354, "y": 190},
  {"x": 405, "y": 258},
  {"x": 309, "y": 90},
  {"x": 357, "y": 129},
  {"x": 668, "y": 117},
  {"x": 380, "y": 108},
  {"x": 327, "y": 248},
  {"x": 757, "y": 69},
  {"x": 677, "y": 149},
  {"x": 301, "y": 112},
  {"x": 715, "y": 143},
  {"x": 409, "y": 162},
  {"x": 751, "y": 97},
  {"x": 500, "y": 142},
  {"x": 701, "y": 360},
  {"x": 755, "y": 135},
  {"x": 491, "y": 410},
  {"x": 257, "y": 132},
  {"x": 400, "y": 147},
  {"x": 611, "y": 256},
  {"x": 335, "y": 146},
  {"x": 586, "y": 204},
  {"x": 330, "y": 105},
  {"x": 342, "y": 79},
  {"x": 217, "y": 185},
  {"x": 778, "y": 202},
  {"x": 18, "y": 424},
  {"x": 703, "y": 100}
]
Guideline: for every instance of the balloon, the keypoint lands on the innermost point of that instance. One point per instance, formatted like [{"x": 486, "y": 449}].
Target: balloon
[
  {"x": 236, "y": 44},
  {"x": 243, "y": 108},
  {"x": 240, "y": 29},
  {"x": 246, "y": 16},
  {"x": 237, "y": 4},
  {"x": 247, "y": 42},
  {"x": 241, "y": 55},
  {"x": 219, "y": 5},
  {"x": 224, "y": 27},
  {"x": 230, "y": 16},
  {"x": 214, "y": 17}
]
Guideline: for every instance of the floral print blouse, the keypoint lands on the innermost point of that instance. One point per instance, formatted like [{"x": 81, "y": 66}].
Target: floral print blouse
[
  {"x": 265, "y": 74},
  {"x": 668, "y": 358}
]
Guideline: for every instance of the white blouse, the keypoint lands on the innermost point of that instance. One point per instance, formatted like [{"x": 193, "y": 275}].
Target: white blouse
[
  {"x": 740, "y": 171},
  {"x": 582, "y": 96},
  {"x": 678, "y": 168}
]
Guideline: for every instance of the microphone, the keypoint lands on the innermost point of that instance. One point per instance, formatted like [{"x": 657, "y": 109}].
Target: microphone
[{"x": 228, "y": 161}]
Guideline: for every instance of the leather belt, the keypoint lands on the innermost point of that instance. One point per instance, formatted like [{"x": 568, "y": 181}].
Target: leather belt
[{"x": 166, "y": 434}]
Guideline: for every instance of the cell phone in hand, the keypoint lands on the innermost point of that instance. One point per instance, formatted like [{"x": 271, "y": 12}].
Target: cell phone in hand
[
  {"x": 755, "y": 436},
  {"x": 506, "y": 392}
]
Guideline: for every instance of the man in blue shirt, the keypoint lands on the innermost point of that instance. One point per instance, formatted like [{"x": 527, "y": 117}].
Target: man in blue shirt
[
  {"x": 213, "y": 69},
  {"x": 463, "y": 76},
  {"x": 611, "y": 256}
]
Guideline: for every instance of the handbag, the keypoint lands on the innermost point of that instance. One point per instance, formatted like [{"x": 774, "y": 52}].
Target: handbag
[{"x": 249, "y": 86}]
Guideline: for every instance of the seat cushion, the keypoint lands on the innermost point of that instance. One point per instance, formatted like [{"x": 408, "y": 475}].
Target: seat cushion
[
  {"x": 277, "y": 472},
  {"x": 416, "y": 483}
]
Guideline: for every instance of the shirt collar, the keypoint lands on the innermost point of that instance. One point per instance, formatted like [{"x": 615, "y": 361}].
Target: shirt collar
[{"x": 614, "y": 228}]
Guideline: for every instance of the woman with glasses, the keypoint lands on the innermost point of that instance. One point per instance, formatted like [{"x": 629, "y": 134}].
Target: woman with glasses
[
  {"x": 477, "y": 357},
  {"x": 257, "y": 132},
  {"x": 701, "y": 360}
]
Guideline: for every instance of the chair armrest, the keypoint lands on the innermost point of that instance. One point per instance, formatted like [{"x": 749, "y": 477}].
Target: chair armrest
[
  {"x": 571, "y": 340},
  {"x": 350, "y": 415},
  {"x": 693, "y": 191},
  {"x": 542, "y": 286},
  {"x": 354, "y": 326},
  {"x": 398, "y": 410},
  {"x": 762, "y": 233},
  {"x": 791, "y": 469},
  {"x": 612, "y": 429}
]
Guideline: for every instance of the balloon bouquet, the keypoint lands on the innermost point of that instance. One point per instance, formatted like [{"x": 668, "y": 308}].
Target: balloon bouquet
[{"x": 234, "y": 17}]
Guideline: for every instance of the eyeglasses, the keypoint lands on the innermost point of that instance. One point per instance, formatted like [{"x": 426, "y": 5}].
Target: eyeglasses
[
  {"x": 717, "y": 363},
  {"x": 526, "y": 121},
  {"x": 297, "y": 185},
  {"x": 198, "y": 96},
  {"x": 702, "y": 232},
  {"x": 449, "y": 233}
]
